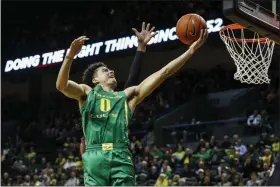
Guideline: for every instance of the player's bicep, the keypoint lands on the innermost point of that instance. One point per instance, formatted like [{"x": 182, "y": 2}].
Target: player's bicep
[{"x": 74, "y": 90}]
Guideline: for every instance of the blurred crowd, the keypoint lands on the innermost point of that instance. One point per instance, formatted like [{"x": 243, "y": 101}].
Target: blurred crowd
[{"x": 230, "y": 162}]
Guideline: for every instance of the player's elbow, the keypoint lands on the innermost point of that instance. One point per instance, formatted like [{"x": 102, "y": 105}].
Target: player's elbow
[{"x": 60, "y": 86}]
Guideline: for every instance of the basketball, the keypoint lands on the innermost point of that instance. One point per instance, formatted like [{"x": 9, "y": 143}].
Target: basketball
[{"x": 188, "y": 28}]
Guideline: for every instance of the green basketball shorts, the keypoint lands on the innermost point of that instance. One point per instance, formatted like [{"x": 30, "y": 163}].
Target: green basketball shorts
[{"x": 108, "y": 165}]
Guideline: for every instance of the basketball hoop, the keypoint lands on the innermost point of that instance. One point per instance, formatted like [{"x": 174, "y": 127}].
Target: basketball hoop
[{"x": 252, "y": 57}]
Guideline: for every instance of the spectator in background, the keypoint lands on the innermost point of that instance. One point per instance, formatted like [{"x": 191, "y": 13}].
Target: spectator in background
[
  {"x": 248, "y": 167},
  {"x": 73, "y": 181},
  {"x": 43, "y": 162},
  {"x": 187, "y": 172},
  {"x": 180, "y": 153},
  {"x": 203, "y": 154},
  {"x": 276, "y": 145},
  {"x": 31, "y": 154},
  {"x": 143, "y": 173},
  {"x": 144, "y": 167},
  {"x": 254, "y": 122},
  {"x": 216, "y": 156},
  {"x": 200, "y": 176},
  {"x": 226, "y": 143},
  {"x": 165, "y": 167},
  {"x": 241, "y": 148},
  {"x": 187, "y": 157},
  {"x": 213, "y": 142},
  {"x": 27, "y": 181},
  {"x": 235, "y": 139},
  {"x": 5, "y": 179},
  {"x": 162, "y": 180},
  {"x": 19, "y": 166},
  {"x": 135, "y": 145},
  {"x": 222, "y": 168},
  {"x": 175, "y": 180},
  {"x": 254, "y": 180},
  {"x": 267, "y": 158},
  {"x": 68, "y": 143},
  {"x": 60, "y": 160},
  {"x": 67, "y": 164},
  {"x": 33, "y": 166},
  {"x": 224, "y": 180},
  {"x": 254, "y": 119},
  {"x": 200, "y": 145},
  {"x": 153, "y": 173},
  {"x": 207, "y": 181},
  {"x": 182, "y": 182}
]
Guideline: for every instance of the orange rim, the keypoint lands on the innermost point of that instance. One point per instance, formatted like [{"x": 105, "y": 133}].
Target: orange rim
[{"x": 236, "y": 26}]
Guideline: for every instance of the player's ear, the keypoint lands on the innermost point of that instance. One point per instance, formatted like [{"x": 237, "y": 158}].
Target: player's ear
[{"x": 94, "y": 81}]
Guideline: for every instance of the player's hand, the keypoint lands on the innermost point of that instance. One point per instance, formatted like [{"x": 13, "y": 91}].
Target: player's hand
[
  {"x": 145, "y": 35},
  {"x": 202, "y": 38},
  {"x": 76, "y": 46}
]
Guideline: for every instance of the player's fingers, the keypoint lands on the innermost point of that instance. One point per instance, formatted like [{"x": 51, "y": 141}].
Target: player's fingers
[
  {"x": 201, "y": 33},
  {"x": 205, "y": 34},
  {"x": 152, "y": 29},
  {"x": 85, "y": 39},
  {"x": 78, "y": 39},
  {"x": 135, "y": 31},
  {"x": 143, "y": 26},
  {"x": 81, "y": 37},
  {"x": 153, "y": 34},
  {"x": 201, "y": 36},
  {"x": 148, "y": 26}
]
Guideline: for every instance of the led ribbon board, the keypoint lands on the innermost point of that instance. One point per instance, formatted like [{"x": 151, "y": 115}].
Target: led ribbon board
[{"x": 109, "y": 46}]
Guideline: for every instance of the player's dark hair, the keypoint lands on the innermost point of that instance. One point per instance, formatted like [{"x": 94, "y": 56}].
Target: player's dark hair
[{"x": 88, "y": 73}]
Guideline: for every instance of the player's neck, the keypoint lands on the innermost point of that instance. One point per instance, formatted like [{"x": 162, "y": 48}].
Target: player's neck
[{"x": 107, "y": 88}]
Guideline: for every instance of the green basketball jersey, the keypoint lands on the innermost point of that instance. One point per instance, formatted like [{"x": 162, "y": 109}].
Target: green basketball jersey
[{"x": 105, "y": 117}]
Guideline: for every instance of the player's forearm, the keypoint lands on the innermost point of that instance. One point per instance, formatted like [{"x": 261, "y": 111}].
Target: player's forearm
[
  {"x": 135, "y": 70},
  {"x": 176, "y": 64},
  {"x": 63, "y": 75}
]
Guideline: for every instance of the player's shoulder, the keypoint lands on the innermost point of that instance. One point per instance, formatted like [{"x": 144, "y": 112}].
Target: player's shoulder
[
  {"x": 130, "y": 91},
  {"x": 86, "y": 88}
]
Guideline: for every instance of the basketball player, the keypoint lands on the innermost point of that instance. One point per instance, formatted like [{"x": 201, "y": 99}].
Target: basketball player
[
  {"x": 143, "y": 38},
  {"x": 106, "y": 114}
]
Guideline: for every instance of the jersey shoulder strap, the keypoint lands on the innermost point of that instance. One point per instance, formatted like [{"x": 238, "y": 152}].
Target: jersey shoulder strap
[{"x": 90, "y": 95}]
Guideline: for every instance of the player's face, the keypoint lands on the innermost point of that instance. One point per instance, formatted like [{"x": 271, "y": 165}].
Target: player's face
[{"x": 105, "y": 76}]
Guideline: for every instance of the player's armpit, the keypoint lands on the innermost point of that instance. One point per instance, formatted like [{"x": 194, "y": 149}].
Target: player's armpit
[{"x": 137, "y": 94}]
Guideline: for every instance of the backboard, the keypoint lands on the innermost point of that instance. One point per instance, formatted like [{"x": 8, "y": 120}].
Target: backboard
[{"x": 254, "y": 17}]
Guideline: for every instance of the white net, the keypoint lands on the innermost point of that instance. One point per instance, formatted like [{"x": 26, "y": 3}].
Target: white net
[{"x": 252, "y": 57}]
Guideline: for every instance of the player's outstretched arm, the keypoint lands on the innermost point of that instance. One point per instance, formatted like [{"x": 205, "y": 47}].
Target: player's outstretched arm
[
  {"x": 70, "y": 88},
  {"x": 138, "y": 93},
  {"x": 143, "y": 38}
]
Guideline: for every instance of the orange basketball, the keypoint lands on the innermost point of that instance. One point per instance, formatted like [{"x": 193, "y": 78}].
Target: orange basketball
[{"x": 188, "y": 28}]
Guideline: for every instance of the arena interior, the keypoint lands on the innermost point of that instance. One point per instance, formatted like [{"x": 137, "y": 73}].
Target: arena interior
[{"x": 200, "y": 128}]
